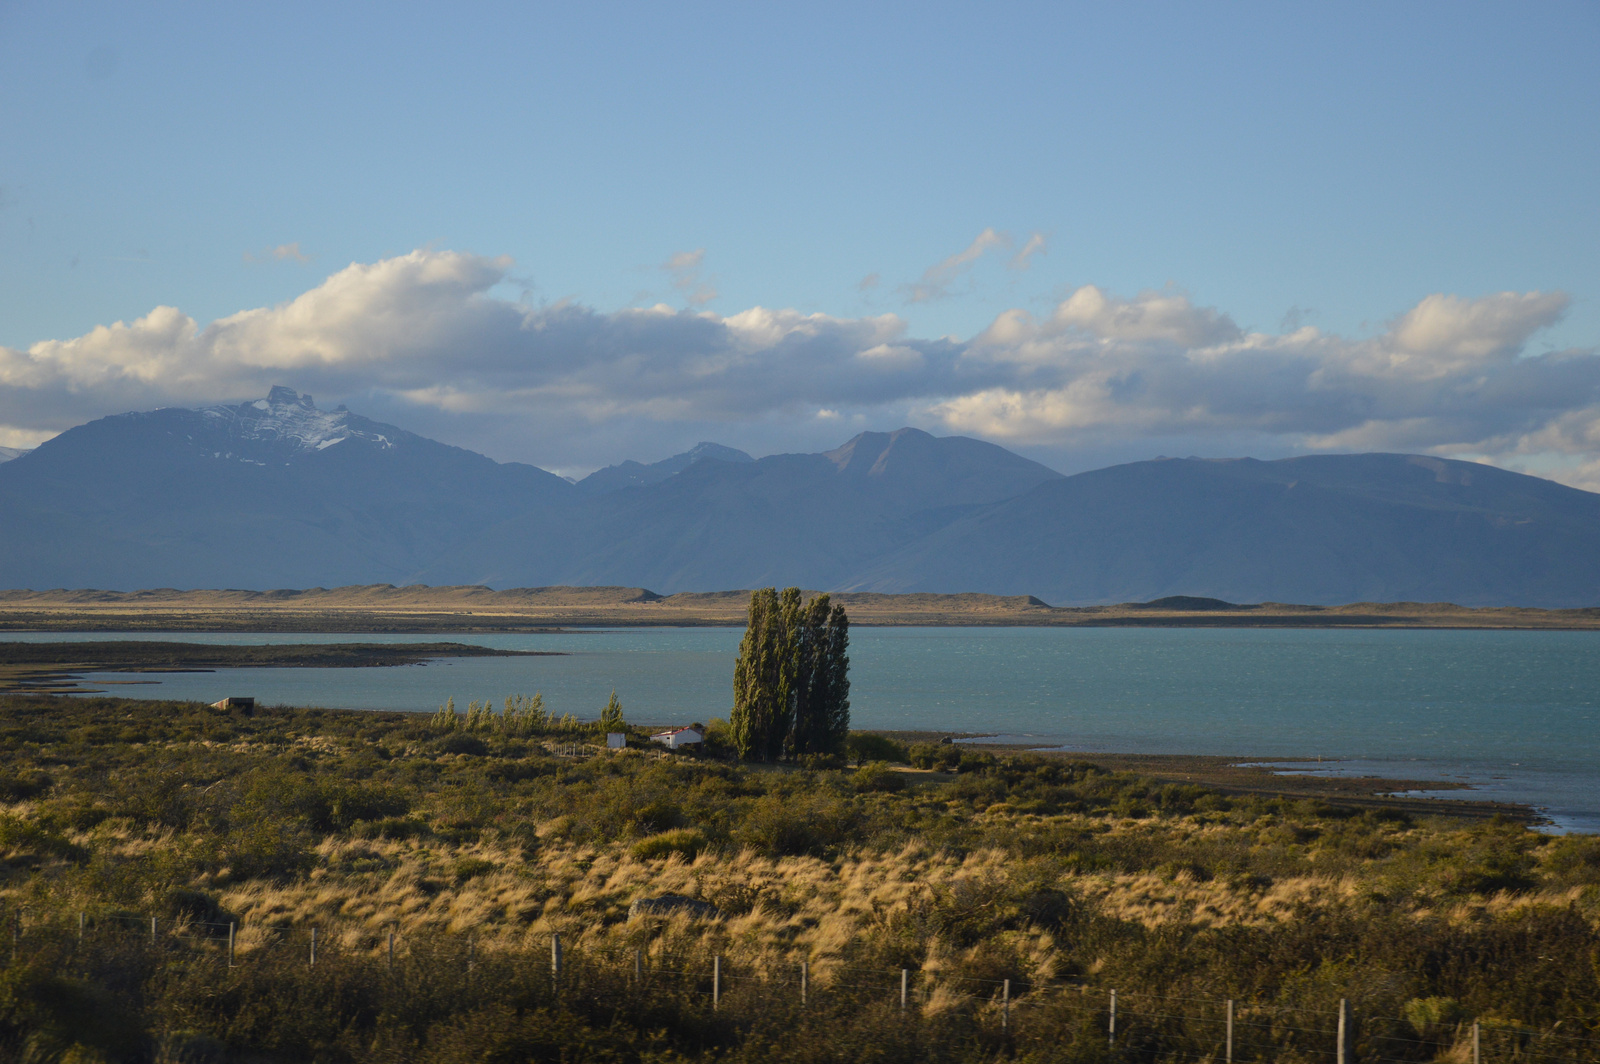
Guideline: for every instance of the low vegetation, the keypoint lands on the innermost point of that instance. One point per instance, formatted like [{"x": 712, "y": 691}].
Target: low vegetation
[{"x": 990, "y": 880}]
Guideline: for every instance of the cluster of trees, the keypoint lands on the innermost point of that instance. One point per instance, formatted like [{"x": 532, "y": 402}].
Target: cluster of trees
[
  {"x": 791, "y": 683},
  {"x": 524, "y": 715}
]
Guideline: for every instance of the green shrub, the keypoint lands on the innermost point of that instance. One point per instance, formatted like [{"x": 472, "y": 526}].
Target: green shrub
[
  {"x": 865, "y": 746},
  {"x": 877, "y": 776},
  {"x": 28, "y": 838},
  {"x": 1428, "y": 1015},
  {"x": 779, "y": 825},
  {"x": 390, "y": 828},
  {"x": 20, "y": 785},
  {"x": 472, "y": 867},
  {"x": 462, "y": 743},
  {"x": 266, "y": 850},
  {"x": 686, "y": 842},
  {"x": 943, "y": 757},
  {"x": 186, "y": 904}
]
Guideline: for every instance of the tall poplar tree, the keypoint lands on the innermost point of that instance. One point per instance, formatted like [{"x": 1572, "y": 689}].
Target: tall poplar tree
[
  {"x": 762, "y": 681},
  {"x": 791, "y": 686}
]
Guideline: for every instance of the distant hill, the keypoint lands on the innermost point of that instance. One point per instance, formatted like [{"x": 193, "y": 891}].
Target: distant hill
[
  {"x": 631, "y": 474},
  {"x": 8, "y": 453},
  {"x": 810, "y": 519},
  {"x": 273, "y": 493},
  {"x": 1323, "y": 529},
  {"x": 277, "y": 493}
]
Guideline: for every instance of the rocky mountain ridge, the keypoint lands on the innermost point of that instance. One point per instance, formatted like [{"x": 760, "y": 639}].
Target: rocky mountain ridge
[{"x": 277, "y": 493}]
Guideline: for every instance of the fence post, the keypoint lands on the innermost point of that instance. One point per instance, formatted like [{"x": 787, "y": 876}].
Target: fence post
[
  {"x": 82, "y": 919},
  {"x": 1005, "y": 1005},
  {"x": 638, "y": 966},
  {"x": 1111, "y": 1028},
  {"x": 1339, "y": 1055},
  {"x": 313, "y": 947},
  {"x": 230, "y": 943},
  {"x": 391, "y": 951},
  {"x": 805, "y": 982},
  {"x": 716, "y": 982},
  {"x": 472, "y": 952},
  {"x": 1475, "y": 1059},
  {"x": 1228, "y": 1058},
  {"x": 152, "y": 930},
  {"x": 905, "y": 983},
  {"x": 555, "y": 959}
]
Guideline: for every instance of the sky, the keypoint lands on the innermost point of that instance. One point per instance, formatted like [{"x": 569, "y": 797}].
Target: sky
[{"x": 573, "y": 234}]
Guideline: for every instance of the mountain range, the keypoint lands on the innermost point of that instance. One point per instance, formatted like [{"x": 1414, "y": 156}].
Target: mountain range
[{"x": 278, "y": 493}]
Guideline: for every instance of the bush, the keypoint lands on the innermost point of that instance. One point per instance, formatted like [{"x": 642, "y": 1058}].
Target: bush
[
  {"x": 18, "y": 786},
  {"x": 390, "y": 828},
  {"x": 865, "y": 746},
  {"x": 20, "y": 835},
  {"x": 196, "y": 906},
  {"x": 265, "y": 850},
  {"x": 686, "y": 842},
  {"x": 286, "y": 797},
  {"x": 877, "y": 776},
  {"x": 462, "y": 743},
  {"x": 944, "y": 757},
  {"x": 779, "y": 825}
]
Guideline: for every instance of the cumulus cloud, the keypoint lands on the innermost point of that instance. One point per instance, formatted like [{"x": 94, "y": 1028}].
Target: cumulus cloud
[
  {"x": 1448, "y": 376},
  {"x": 419, "y": 339}
]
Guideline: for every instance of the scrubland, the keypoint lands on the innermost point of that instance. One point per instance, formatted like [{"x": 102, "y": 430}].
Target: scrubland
[{"x": 475, "y": 840}]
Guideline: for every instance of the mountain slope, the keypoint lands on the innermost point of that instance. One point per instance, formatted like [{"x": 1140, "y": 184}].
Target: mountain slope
[
  {"x": 807, "y": 519},
  {"x": 277, "y": 493},
  {"x": 1320, "y": 530},
  {"x": 273, "y": 493},
  {"x": 631, "y": 474}
]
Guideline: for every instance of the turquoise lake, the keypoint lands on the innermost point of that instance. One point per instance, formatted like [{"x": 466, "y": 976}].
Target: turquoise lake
[{"x": 1516, "y": 714}]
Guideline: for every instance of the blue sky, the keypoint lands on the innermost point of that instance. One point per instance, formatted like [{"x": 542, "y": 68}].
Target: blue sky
[{"x": 1278, "y": 165}]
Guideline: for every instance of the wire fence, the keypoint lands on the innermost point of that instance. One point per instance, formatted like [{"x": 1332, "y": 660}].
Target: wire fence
[{"x": 1134, "y": 1025}]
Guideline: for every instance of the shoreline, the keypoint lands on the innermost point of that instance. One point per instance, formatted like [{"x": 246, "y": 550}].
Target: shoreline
[
  {"x": 1243, "y": 774},
  {"x": 61, "y": 667},
  {"x": 476, "y": 609}
]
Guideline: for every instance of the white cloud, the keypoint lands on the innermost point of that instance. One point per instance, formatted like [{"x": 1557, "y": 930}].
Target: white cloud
[
  {"x": 936, "y": 279},
  {"x": 279, "y": 254},
  {"x": 684, "y": 269},
  {"x": 1036, "y": 245},
  {"x": 418, "y": 339},
  {"x": 1448, "y": 376}
]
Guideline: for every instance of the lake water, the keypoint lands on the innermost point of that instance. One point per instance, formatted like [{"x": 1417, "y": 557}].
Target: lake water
[{"x": 1516, "y": 714}]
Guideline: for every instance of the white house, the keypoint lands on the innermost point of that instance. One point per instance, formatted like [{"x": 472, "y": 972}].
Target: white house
[{"x": 673, "y": 738}]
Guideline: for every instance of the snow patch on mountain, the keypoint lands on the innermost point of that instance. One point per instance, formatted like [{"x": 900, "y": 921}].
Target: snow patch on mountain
[
  {"x": 8, "y": 453},
  {"x": 288, "y": 423}
]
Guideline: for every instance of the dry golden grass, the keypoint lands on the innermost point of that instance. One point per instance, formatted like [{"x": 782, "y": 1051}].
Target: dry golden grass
[{"x": 775, "y": 912}]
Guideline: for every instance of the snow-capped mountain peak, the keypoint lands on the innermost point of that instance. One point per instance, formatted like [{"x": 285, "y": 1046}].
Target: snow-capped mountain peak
[{"x": 284, "y": 424}]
